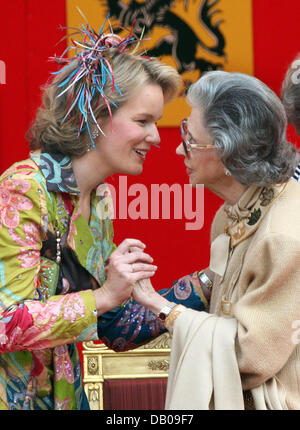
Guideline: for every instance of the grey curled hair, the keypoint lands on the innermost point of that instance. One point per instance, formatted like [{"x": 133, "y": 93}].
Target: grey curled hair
[{"x": 247, "y": 123}]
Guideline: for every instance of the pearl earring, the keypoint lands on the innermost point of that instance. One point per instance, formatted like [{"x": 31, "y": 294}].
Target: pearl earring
[
  {"x": 95, "y": 133},
  {"x": 227, "y": 173}
]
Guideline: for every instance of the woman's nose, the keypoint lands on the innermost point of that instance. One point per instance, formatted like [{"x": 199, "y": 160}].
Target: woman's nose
[
  {"x": 180, "y": 150},
  {"x": 153, "y": 137}
]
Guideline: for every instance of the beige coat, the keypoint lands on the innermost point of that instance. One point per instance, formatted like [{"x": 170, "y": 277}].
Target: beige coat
[
  {"x": 260, "y": 286},
  {"x": 214, "y": 382},
  {"x": 255, "y": 252}
]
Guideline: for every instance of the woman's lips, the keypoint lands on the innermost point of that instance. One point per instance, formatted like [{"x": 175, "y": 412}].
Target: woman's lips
[{"x": 141, "y": 153}]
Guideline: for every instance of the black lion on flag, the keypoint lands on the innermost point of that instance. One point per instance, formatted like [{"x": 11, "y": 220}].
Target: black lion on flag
[{"x": 182, "y": 42}]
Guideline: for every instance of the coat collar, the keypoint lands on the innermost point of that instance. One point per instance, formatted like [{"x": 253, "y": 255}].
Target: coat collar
[
  {"x": 57, "y": 170},
  {"x": 246, "y": 215},
  {"x": 243, "y": 219}
]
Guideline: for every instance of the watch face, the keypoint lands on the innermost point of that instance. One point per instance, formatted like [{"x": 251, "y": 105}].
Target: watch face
[
  {"x": 164, "y": 312},
  {"x": 162, "y": 316}
]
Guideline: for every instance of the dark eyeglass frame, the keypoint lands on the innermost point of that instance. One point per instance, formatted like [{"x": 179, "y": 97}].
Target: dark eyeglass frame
[{"x": 187, "y": 141}]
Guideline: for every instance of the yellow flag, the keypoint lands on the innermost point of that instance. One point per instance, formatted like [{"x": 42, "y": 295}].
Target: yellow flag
[{"x": 192, "y": 35}]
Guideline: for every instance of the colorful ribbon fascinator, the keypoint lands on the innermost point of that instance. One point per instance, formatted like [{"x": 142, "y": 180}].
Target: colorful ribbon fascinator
[{"x": 91, "y": 68}]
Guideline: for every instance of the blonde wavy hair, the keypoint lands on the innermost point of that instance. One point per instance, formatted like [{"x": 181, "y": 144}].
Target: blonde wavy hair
[{"x": 49, "y": 133}]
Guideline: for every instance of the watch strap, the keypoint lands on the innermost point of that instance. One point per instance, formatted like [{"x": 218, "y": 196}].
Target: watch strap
[
  {"x": 205, "y": 280},
  {"x": 165, "y": 311}
]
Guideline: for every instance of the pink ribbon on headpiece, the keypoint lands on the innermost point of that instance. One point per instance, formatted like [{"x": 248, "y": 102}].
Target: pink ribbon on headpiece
[{"x": 109, "y": 40}]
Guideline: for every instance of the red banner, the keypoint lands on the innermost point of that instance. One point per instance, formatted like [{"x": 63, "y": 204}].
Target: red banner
[{"x": 261, "y": 38}]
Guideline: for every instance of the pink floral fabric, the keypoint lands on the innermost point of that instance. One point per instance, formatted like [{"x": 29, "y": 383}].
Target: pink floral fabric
[
  {"x": 29, "y": 249},
  {"x": 13, "y": 200},
  {"x": 36, "y": 333}
]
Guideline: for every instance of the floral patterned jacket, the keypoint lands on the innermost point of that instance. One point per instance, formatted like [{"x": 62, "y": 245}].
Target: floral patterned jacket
[{"x": 39, "y": 323}]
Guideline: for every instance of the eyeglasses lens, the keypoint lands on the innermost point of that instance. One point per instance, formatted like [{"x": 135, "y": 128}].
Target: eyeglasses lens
[{"x": 183, "y": 130}]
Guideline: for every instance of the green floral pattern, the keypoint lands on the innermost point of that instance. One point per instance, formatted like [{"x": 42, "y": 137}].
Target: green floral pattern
[{"x": 39, "y": 362}]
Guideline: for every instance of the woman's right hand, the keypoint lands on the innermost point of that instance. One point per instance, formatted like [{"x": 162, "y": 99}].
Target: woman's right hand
[{"x": 123, "y": 270}]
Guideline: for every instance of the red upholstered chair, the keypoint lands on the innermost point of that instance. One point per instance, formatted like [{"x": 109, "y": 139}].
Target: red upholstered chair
[{"x": 134, "y": 379}]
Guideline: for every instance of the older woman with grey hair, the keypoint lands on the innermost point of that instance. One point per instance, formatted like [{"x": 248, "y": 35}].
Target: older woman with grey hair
[{"x": 244, "y": 352}]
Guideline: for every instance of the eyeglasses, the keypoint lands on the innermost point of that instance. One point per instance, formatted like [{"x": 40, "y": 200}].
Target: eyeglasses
[{"x": 187, "y": 139}]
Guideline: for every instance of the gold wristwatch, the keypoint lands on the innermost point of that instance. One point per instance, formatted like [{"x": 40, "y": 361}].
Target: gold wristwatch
[
  {"x": 165, "y": 311},
  {"x": 205, "y": 280}
]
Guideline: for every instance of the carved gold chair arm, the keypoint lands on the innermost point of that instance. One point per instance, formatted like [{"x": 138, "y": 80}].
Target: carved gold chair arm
[{"x": 100, "y": 363}]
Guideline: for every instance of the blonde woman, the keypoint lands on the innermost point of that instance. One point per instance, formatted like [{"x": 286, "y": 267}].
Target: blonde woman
[{"x": 98, "y": 118}]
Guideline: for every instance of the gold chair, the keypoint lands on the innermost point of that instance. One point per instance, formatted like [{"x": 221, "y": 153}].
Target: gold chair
[{"x": 102, "y": 365}]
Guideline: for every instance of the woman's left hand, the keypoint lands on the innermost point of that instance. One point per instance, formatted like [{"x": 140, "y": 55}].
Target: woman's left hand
[
  {"x": 143, "y": 289},
  {"x": 123, "y": 270},
  {"x": 145, "y": 294}
]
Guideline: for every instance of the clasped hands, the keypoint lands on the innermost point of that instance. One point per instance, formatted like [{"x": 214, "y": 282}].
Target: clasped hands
[
  {"x": 127, "y": 267},
  {"x": 128, "y": 273}
]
